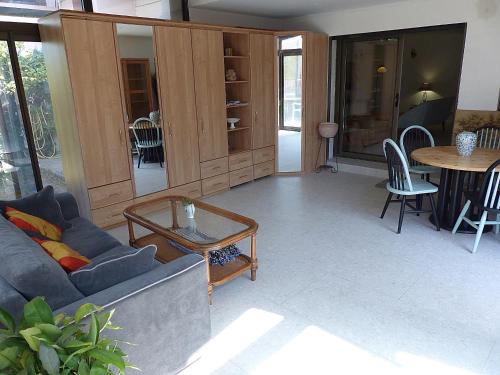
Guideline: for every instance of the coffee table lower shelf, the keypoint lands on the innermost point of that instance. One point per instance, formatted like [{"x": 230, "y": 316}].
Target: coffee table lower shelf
[{"x": 218, "y": 274}]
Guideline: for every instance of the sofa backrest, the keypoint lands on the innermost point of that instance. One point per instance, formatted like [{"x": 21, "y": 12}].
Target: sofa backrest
[
  {"x": 26, "y": 267},
  {"x": 10, "y": 299}
]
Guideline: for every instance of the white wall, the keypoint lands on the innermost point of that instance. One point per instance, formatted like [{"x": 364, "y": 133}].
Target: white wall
[
  {"x": 234, "y": 19},
  {"x": 480, "y": 83}
]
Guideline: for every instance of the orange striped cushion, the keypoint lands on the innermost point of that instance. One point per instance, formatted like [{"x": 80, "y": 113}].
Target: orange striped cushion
[
  {"x": 67, "y": 258},
  {"x": 33, "y": 224}
]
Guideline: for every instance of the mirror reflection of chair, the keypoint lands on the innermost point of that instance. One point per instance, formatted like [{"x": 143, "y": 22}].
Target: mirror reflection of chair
[
  {"x": 412, "y": 138},
  {"x": 487, "y": 200},
  {"x": 147, "y": 138},
  {"x": 488, "y": 136},
  {"x": 401, "y": 184}
]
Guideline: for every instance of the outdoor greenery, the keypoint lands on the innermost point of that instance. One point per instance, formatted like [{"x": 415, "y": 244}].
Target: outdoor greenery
[{"x": 62, "y": 345}]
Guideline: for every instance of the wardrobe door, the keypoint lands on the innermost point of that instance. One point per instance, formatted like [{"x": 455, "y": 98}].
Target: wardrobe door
[
  {"x": 91, "y": 54},
  {"x": 210, "y": 93},
  {"x": 262, "y": 56},
  {"x": 176, "y": 86}
]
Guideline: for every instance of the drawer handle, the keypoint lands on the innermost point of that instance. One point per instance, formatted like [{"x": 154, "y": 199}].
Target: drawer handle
[
  {"x": 193, "y": 192},
  {"x": 217, "y": 167},
  {"x": 244, "y": 176},
  {"x": 118, "y": 214},
  {"x": 219, "y": 184}
]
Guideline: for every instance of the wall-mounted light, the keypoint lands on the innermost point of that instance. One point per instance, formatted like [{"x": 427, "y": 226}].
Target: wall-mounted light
[
  {"x": 382, "y": 69},
  {"x": 424, "y": 88}
]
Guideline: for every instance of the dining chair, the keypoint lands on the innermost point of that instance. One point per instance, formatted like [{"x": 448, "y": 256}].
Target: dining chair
[
  {"x": 487, "y": 200},
  {"x": 412, "y": 138},
  {"x": 488, "y": 136},
  {"x": 401, "y": 184},
  {"x": 147, "y": 137}
]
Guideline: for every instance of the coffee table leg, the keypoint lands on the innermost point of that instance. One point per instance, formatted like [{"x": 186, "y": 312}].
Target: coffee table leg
[
  {"x": 210, "y": 286},
  {"x": 131, "y": 235},
  {"x": 253, "y": 257}
]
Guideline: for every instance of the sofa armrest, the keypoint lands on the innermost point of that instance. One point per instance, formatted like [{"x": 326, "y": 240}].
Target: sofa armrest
[
  {"x": 163, "y": 312},
  {"x": 69, "y": 206}
]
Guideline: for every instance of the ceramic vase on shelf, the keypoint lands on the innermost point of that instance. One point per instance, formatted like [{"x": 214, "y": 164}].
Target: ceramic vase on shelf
[
  {"x": 189, "y": 210},
  {"x": 466, "y": 143}
]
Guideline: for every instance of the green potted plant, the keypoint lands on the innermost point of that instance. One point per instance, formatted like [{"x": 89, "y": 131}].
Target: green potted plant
[
  {"x": 188, "y": 207},
  {"x": 44, "y": 344}
]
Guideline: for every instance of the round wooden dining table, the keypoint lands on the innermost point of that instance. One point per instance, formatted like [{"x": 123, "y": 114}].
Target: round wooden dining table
[{"x": 458, "y": 173}]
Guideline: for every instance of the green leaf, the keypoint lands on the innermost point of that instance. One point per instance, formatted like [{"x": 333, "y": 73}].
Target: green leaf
[
  {"x": 105, "y": 319},
  {"x": 51, "y": 331},
  {"x": 94, "y": 330},
  {"x": 83, "y": 368},
  {"x": 76, "y": 344},
  {"x": 68, "y": 332},
  {"x": 59, "y": 318},
  {"x": 49, "y": 358},
  {"x": 37, "y": 311},
  {"x": 8, "y": 358},
  {"x": 29, "y": 335},
  {"x": 7, "y": 321},
  {"x": 98, "y": 370},
  {"x": 85, "y": 310},
  {"x": 108, "y": 357}
]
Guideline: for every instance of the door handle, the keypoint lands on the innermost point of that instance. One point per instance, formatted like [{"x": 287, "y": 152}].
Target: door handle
[{"x": 396, "y": 100}]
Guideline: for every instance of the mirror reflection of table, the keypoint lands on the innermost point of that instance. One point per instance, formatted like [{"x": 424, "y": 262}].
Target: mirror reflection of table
[{"x": 458, "y": 174}]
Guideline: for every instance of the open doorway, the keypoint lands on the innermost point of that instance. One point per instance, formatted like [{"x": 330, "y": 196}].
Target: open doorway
[
  {"x": 387, "y": 81},
  {"x": 290, "y": 104}
]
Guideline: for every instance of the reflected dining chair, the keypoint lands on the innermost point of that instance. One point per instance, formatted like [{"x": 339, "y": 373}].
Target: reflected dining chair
[
  {"x": 401, "y": 184},
  {"x": 488, "y": 136},
  {"x": 487, "y": 200},
  {"x": 147, "y": 137},
  {"x": 412, "y": 138}
]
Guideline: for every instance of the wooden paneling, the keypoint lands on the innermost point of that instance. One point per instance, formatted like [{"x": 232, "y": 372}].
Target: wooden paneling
[
  {"x": 110, "y": 215},
  {"x": 241, "y": 160},
  {"x": 241, "y": 176},
  {"x": 208, "y": 64},
  {"x": 91, "y": 54},
  {"x": 178, "y": 105},
  {"x": 111, "y": 194},
  {"x": 263, "y": 154},
  {"x": 215, "y": 184},
  {"x": 315, "y": 60},
  {"x": 214, "y": 167},
  {"x": 263, "y": 169},
  {"x": 263, "y": 58}
]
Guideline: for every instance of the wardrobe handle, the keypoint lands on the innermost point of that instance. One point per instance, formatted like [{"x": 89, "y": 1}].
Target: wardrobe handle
[
  {"x": 169, "y": 125},
  {"x": 120, "y": 132},
  {"x": 255, "y": 117}
]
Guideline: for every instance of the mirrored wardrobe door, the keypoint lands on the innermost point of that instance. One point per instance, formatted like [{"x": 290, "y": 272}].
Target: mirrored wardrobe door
[{"x": 140, "y": 91}]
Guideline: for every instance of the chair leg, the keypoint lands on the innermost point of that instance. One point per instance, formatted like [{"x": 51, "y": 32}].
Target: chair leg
[
  {"x": 389, "y": 197},
  {"x": 140, "y": 155},
  {"x": 434, "y": 212},
  {"x": 461, "y": 217},
  {"x": 158, "y": 156},
  {"x": 484, "y": 216},
  {"x": 418, "y": 200},
  {"x": 401, "y": 213}
]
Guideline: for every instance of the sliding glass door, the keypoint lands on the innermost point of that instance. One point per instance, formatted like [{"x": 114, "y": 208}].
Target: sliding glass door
[{"x": 370, "y": 98}]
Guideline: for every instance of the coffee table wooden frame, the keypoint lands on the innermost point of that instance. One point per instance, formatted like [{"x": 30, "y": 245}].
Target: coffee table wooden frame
[{"x": 217, "y": 275}]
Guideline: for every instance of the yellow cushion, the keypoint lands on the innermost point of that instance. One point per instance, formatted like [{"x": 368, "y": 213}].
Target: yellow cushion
[
  {"x": 69, "y": 259},
  {"x": 33, "y": 225}
]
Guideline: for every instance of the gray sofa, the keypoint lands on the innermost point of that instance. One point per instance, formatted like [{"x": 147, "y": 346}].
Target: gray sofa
[{"x": 164, "y": 311}]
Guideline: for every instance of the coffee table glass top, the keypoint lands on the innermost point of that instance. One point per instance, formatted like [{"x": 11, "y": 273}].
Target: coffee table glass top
[{"x": 209, "y": 225}]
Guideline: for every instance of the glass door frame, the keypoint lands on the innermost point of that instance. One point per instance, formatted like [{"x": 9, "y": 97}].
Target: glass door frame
[
  {"x": 12, "y": 32},
  {"x": 281, "y": 67},
  {"x": 337, "y": 59}
]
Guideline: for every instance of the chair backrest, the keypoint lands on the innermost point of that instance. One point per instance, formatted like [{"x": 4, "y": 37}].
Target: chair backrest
[
  {"x": 412, "y": 138},
  {"x": 399, "y": 177},
  {"x": 146, "y": 133},
  {"x": 488, "y": 136},
  {"x": 489, "y": 187}
]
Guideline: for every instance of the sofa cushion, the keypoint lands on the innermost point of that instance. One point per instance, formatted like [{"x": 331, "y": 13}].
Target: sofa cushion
[
  {"x": 26, "y": 266},
  {"x": 33, "y": 226},
  {"x": 113, "y": 267},
  {"x": 69, "y": 259},
  {"x": 42, "y": 204},
  {"x": 11, "y": 300},
  {"x": 87, "y": 239}
]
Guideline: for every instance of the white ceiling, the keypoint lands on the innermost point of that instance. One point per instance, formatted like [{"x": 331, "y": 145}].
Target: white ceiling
[{"x": 283, "y": 8}]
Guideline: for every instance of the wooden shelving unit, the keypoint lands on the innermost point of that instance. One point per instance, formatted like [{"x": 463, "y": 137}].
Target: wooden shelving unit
[{"x": 240, "y": 138}]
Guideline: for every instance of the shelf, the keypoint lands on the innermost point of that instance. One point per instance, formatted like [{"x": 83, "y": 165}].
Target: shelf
[
  {"x": 236, "y": 81},
  {"x": 236, "y": 105},
  {"x": 236, "y": 57},
  {"x": 238, "y": 128}
]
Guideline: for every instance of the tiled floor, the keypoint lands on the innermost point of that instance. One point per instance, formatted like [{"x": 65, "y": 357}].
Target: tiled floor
[{"x": 338, "y": 292}]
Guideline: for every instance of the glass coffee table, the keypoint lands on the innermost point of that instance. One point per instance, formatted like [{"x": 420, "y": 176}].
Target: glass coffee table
[{"x": 210, "y": 228}]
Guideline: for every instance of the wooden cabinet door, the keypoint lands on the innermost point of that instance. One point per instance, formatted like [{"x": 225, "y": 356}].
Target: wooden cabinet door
[
  {"x": 93, "y": 67},
  {"x": 208, "y": 52},
  {"x": 262, "y": 56},
  {"x": 178, "y": 105}
]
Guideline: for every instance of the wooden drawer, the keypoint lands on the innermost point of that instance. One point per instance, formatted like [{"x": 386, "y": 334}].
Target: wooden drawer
[
  {"x": 263, "y": 154},
  {"x": 263, "y": 169},
  {"x": 241, "y": 176},
  {"x": 240, "y": 160},
  {"x": 214, "y": 167},
  {"x": 214, "y": 184},
  {"x": 110, "y": 194},
  {"x": 110, "y": 215}
]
